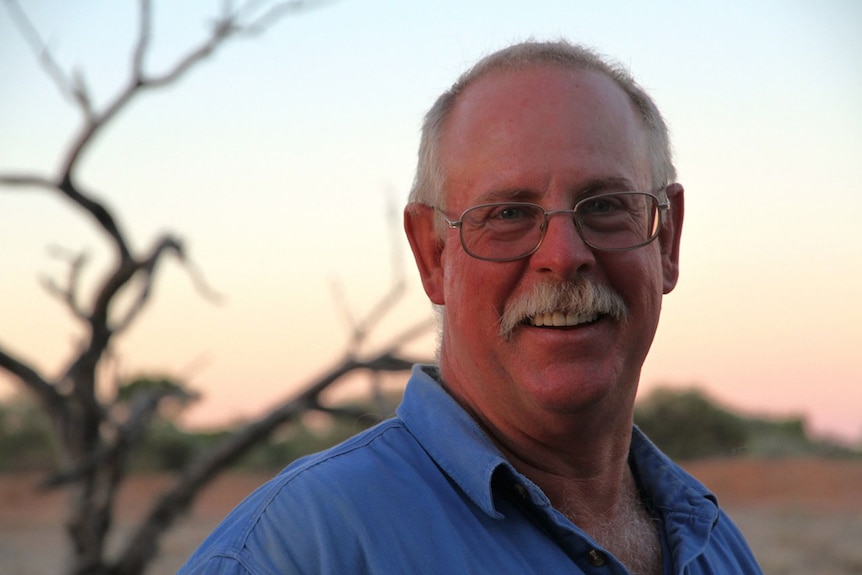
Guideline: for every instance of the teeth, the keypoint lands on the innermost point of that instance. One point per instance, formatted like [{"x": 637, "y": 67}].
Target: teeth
[{"x": 562, "y": 319}]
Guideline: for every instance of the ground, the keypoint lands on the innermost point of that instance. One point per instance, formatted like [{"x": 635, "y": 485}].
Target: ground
[{"x": 800, "y": 515}]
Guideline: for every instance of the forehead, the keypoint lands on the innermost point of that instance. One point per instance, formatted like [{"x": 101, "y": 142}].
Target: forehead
[{"x": 543, "y": 128}]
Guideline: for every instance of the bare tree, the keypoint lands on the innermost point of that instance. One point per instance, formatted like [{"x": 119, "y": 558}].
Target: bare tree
[{"x": 95, "y": 443}]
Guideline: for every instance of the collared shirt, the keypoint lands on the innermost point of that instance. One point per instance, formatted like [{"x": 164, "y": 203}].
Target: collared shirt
[{"x": 428, "y": 492}]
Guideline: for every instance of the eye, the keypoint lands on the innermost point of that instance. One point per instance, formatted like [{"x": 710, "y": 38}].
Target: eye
[
  {"x": 510, "y": 212},
  {"x": 503, "y": 216},
  {"x": 599, "y": 205}
]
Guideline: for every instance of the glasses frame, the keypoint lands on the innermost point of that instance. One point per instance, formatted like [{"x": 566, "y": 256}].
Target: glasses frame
[{"x": 662, "y": 205}]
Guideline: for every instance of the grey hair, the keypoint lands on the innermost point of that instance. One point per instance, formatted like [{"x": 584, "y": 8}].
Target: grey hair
[{"x": 429, "y": 179}]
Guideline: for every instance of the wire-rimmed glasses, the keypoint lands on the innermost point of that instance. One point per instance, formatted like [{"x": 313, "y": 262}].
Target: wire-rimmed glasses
[{"x": 506, "y": 231}]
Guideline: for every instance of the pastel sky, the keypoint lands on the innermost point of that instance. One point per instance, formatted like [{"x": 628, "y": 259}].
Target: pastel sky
[{"x": 278, "y": 159}]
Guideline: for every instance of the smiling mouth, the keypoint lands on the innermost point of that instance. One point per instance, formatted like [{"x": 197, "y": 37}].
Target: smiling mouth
[{"x": 562, "y": 319}]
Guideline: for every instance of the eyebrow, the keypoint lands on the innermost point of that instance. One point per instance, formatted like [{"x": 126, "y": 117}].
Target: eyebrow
[
  {"x": 509, "y": 195},
  {"x": 590, "y": 187},
  {"x": 609, "y": 184}
]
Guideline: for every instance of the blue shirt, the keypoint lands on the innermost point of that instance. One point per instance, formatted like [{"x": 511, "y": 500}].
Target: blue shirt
[{"x": 428, "y": 492}]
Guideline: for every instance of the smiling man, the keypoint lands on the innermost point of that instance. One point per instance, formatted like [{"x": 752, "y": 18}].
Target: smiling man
[{"x": 545, "y": 221}]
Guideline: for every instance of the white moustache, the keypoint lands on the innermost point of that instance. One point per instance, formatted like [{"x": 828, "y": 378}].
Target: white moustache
[{"x": 561, "y": 304}]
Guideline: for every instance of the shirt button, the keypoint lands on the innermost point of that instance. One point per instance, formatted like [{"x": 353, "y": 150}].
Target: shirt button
[
  {"x": 597, "y": 558},
  {"x": 521, "y": 491}
]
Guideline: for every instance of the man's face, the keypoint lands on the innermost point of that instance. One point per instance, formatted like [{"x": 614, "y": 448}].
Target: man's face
[{"x": 548, "y": 136}]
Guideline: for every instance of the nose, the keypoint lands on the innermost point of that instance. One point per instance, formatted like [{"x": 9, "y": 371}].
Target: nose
[{"x": 562, "y": 252}]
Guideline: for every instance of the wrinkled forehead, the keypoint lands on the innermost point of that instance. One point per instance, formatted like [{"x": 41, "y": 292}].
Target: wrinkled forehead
[{"x": 530, "y": 126}]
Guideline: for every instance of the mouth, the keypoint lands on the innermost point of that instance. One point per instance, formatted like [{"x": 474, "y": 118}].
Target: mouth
[
  {"x": 561, "y": 319},
  {"x": 561, "y": 306}
]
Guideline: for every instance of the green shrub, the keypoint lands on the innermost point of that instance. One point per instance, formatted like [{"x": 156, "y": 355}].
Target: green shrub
[{"x": 687, "y": 425}]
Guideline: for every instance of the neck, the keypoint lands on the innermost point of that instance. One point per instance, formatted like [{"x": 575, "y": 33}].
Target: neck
[
  {"x": 601, "y": 497},
  {"x": 585, "y": 475},
  {"x": 580, "y": 461}
]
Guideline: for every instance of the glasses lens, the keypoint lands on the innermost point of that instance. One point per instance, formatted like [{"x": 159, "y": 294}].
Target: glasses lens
[
  {"x": 509, "y": 231},
  {"x": 502, "y": 231},
  {"x": 618, "y": 221}
]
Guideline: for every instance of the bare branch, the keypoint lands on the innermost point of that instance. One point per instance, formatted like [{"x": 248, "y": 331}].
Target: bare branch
[
  {"x": 33, "y": 380},
  {"x": 200, "y": 283},
  {"x": 147, "y": 267},
  {"x": 143, "y": 42},
  {"x": 141, "y": 411},
  {"x": 81, "y": 94},
  {"x": 223, "y": 28},
  {"x": 25, "y": 180},
  {"x": 360, "y": 329},
  {"x": 75, "y": 268},
  {"x": 73, "y": 90},
  {"x": 262, "y": 21},
  {"x": 177, "y": 499},
  {"x": 68, "y": 294},
  {"x": 135, "y": 309},
  {"x": 227, "y": 25},
  {"x": 96, "y": 209},
  {"x": 95, "y": 445},
  {"x": 100, "y": 213},
  {"x": 398, "y": 284}
]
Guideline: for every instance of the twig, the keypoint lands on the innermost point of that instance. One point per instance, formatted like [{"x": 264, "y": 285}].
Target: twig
[
  {"x": 68, "y": 294},
  {"x": 147, "y": 268},
  {"x": 66, "y": 86},
  {"x": 27, "y": 181},
  {"x": 143, "y": 41}
]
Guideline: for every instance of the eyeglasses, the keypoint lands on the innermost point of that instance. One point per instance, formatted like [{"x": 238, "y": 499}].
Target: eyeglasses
[{"x": 507, "y": 231}]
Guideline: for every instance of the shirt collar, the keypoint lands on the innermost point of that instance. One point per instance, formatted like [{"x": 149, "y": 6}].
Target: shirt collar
[
  {"x": 689, "y": 509},
  {"x": 665, "y": 484},
  {"x": 452, "y": 438},
  {"x": 468, "y": 456}
]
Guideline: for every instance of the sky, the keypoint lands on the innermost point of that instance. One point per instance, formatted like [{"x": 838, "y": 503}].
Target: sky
[{"x": 281, "y": 160}]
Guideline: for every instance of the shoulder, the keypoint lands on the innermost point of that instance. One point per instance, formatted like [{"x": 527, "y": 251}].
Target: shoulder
[
  {"x": 313, "y": 481},
  {"x": 293, "y": 522},
  {"x": 386, "y": 446}
]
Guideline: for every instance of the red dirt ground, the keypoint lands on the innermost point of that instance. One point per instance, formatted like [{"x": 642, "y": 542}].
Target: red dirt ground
[{"x": 800, "y": 515}]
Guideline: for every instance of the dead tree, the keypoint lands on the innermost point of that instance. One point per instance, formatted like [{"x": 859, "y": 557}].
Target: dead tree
[{"x": 95, "y": 445}]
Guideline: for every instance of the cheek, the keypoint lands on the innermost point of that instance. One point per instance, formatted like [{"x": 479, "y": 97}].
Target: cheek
[
  {"x": 650, "y": 300},
  {"x": 476, "y": 291},
  {"x": 639, "y": 280}
]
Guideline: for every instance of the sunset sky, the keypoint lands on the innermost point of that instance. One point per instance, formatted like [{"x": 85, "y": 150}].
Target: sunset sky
[{"x": 278, "y": 159}]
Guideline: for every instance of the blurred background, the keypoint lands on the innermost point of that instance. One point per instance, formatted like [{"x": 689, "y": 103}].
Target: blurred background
[
  {"x": 279, "y": 160},
  {"x": 284, "y": 162}
]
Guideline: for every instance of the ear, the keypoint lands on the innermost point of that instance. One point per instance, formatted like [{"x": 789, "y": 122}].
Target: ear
[
  {"x": 669, "y": 237},
  {"x": 427, "y": 249}
]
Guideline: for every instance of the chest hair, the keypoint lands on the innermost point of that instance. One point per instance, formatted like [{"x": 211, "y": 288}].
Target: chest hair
[{"x": 631, "y": 536}]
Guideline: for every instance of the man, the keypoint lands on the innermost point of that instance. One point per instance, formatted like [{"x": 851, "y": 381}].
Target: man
[{"x": 545, "y": 222}]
